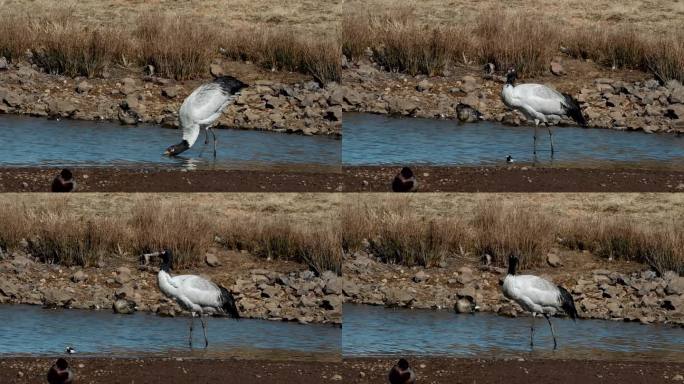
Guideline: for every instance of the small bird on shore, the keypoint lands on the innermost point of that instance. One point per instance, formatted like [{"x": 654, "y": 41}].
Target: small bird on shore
[
  {"x": 401, "y": 373},
  {"x": 64, "y": 182},
  {"x": 510, "y": 159},
  {"x": 405, "y": 181},
  {"x": 202, "y": 108},
  {"x": 537, "y": 295},
  {"x": 540, "y": 104},
  {"x": 69, "y": 350},
  {"x": 60, "y": 373},
  {"x": 197, "y": 295}
]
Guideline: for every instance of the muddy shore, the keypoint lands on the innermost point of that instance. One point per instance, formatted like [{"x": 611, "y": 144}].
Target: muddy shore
[
  {"x": 355, "y": 370},
  {"x": 351, "y": 179},
  {"x": 446, "y": 370},
  {"x": 173, "y": 370}
]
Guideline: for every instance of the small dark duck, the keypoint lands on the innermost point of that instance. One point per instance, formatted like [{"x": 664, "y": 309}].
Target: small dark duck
[
  {"x": 405, "y": 181},
  {"x": 60, "y": 373},
  {"x": 64, "y": 182},
  {"x": 401, "y": 373}
]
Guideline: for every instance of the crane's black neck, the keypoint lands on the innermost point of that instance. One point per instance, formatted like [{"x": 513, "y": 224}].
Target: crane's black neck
[
  {"x": 166, "y": 257},
  {"x": 512, "y": 264}
]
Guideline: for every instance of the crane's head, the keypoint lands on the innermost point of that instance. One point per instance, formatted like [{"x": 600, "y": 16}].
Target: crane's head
[
  {"x": 177, "y": 148},
  {"x": 167, "y": 259},
  {"x": 511, "y": 76},
  {"x": 230, "y": 84},
  {"x": 512, "y": 263},
  {"x": 61, "y": 364},
  {"x": 403, "y": 364}
]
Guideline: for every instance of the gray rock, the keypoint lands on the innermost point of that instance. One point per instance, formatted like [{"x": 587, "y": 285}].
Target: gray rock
[
  {"x": 675, "y": 286},
  {"x": 216, "y": 70},
  {"x": 123, "y": 275},
  {"x": 350, "y": 289},
  {"x": 331, "y": 302},
  {"x": 3, "y": 64},
  {"x": 470, "y": 84},
  {"x": 401, "y": 106},
  {"x": 420, "y": 277},
  {"x": 553, "y": 260},
  {"x": 123, "y": 306},
  {"x": 463, "y": 306},
  {"x": 83, "y": 87},
  {"x": 169, "y": 92},
  {"x": 557, "y": 68},
  {"x": 424, "y": 86},
  {"x": 676, "y": 111},
  {"x": 397, "y": 297},
  {"x": 57, "y": 298},
  {"x": 128, "y": 86},
  {"x": 79, "y": 276},
  {"x": 269, "y": 290},
  {"x": 61, "y": 107},
  {"x": 677, "y": 95},
  {"x": 333, "y": 286},
  {"x": 212, "y": 260}
]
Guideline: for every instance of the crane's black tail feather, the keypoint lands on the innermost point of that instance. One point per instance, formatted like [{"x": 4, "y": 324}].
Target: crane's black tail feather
[
  {"x": 568, "y": 303},
  {"x": 229, "y": 306},
  {"x": 574, "y": 111},
  {"x": 229, "y": 84}
]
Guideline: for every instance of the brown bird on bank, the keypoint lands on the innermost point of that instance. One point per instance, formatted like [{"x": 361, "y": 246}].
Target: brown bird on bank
[
  {"x": 401, "y": 373},
  {"x": 405, "y": 181},
  {"x": 60, "y": 373},
  {"x": 64, "y": 182}
]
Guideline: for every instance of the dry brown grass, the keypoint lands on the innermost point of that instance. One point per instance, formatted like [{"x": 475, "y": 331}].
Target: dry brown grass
[
  {"x": 399, "y": 230},
  {"x": 401, "y": 41},
  {"x": 176, "y": 46},
  {"x": 56, "y": 233}
]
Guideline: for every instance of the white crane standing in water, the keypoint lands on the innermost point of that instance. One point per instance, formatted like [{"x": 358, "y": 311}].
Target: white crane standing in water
[
  {"x": 202, "y": 108},
  {"x": 537, "y": 295},
  {"x": 540, "y": 104},
  {"x": 197, "y": 295}
]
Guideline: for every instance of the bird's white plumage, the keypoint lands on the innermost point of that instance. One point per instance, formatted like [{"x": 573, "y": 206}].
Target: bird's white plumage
[
  {"x": 195, "y": 293},
  {"x": 538, "y": 102},
  {"x": 533, "y": 293},
  {"x": 201, "y": 109}
]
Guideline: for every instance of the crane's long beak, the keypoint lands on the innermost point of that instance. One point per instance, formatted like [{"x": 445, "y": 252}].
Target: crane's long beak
[{"x": 167, "y": 153}]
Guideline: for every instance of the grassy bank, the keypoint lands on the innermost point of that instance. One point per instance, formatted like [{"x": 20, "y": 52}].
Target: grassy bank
[
  {"x": 176, "y": 46},
  {"x": 52, "y": 231},
  {"x": 398, "y": 232},
  {"x": 528, "y": 40}
]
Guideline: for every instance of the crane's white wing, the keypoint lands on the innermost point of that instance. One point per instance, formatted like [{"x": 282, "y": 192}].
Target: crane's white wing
[
  {"x": 541, "y": 98},
  {"x": 199, "y": 291},
  {"x": 539, "y": 291},
  {"x": 204, "y": 105}
]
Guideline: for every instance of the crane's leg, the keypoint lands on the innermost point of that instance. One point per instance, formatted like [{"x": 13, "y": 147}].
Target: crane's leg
[
  {"x": 532, "y": 331},
  {"x": 206, "y": 136},
  {"x": 550, "y": 138},
  {"x": 553, "y": 333},
  {"x": 214, "y": 135},
  {"x": 204, "y": 328},
  {"x": 536, "y": 124},
  {"x": 192, "y": 318}
]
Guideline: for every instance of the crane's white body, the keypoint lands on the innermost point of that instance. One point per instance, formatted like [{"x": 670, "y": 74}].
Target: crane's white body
[
  {"x": 196, "y": 294},
  {"x": 533, "y": 294},
  {"x": 202, "y": 108},
  {"x": 539, "y": 103}
]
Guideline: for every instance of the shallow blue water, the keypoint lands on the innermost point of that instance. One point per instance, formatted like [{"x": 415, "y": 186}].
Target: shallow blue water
[
  {"x": 382, "y": 140},
  {"x": 26, "y": 329},
  {"x": 379, "y": 331},
  {"x": 31, "y": 141}
]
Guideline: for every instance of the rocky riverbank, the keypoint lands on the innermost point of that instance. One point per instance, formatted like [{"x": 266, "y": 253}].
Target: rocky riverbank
[
  {"x": 602, "y": 289},
  {"x": 275, "y": 290},
  {"x": 273, "y": 102},
  {"x": 622, "y": 100}
]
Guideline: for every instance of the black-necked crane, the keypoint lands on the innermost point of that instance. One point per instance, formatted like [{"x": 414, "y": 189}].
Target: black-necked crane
[
  {"x": 60, "y": 373},
  {"x": 69, "y": 350},
  {"x": 510, "y": 159},
  {"x": 196, "y": 294},
  {"x": 537, "y": 295},
  {"x": 540, "y": 103},
  {"x": 64, "y": 182},
  {"x": 401, "y": 373},
  {"x": 202, "y": 108},
  {"x": 405, "y": 181}
]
